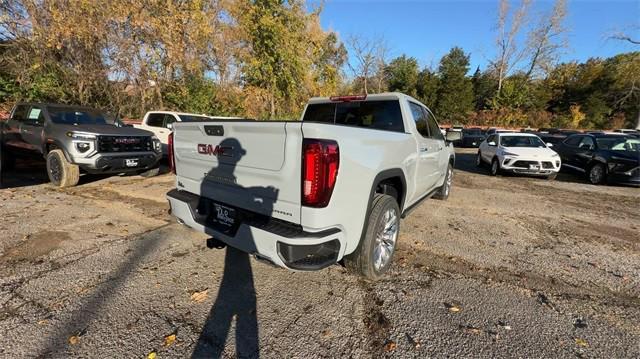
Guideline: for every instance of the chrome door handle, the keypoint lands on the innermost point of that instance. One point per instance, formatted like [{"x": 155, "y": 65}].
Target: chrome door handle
[{"x": 424, "y": 149}]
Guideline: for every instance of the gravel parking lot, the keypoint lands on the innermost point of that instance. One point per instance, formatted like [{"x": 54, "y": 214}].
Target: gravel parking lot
[{"x": 508, "y": 267}]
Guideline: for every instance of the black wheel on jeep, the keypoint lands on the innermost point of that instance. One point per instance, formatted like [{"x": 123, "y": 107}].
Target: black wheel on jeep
[
  {"x": 445, "y": 189},
  {"x": 374, "y": 254},
  {"x": 61, "y": 172}
]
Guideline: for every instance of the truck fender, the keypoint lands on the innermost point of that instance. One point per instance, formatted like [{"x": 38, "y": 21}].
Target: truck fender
[
  {"x": 380, "y": 177},
  {"x": 53, "y": 143}
]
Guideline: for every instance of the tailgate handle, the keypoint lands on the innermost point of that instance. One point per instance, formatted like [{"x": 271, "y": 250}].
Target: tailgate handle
[{"x": 214, "y": 130}]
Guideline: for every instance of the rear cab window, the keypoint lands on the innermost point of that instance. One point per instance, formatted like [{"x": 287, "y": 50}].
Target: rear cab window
[{"x": 376, "y": 114}]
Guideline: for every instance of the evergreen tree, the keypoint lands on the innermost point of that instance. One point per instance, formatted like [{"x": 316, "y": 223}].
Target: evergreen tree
[
  {"x": 427, "y": 88},
  {"x": 402, "y": 75},
  {"x": 485, "y": 86},
  {"x": 455, "y": 95}
]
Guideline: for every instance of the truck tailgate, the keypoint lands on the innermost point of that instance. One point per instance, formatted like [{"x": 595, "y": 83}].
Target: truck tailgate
[{"x": 245, "y": 164}]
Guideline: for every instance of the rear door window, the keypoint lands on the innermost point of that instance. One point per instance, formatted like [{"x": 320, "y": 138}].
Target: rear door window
[
  {"x": 20, "y": 113},
  {"x": 380, "y": 115},
  {"x": 434, "y": 129},
  {"x": 573, "y": 141},
  {"x": 420, "y": 117}
]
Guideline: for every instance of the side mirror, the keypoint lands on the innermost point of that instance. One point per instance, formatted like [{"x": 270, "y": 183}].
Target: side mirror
[
  {"x": 549, "y": 144},
  {"x": 453, "y": 136},
  {"x": 170, "y": 126},
  {"x": 492, "y": 144}
]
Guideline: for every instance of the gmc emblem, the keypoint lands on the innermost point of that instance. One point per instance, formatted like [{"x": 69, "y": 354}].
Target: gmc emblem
[
  {"x": 218, "y": 150},
  {"x": 126, "y": 141}
]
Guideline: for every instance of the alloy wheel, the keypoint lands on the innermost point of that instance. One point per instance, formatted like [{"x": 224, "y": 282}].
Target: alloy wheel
[{"x": 386, "y": 240}]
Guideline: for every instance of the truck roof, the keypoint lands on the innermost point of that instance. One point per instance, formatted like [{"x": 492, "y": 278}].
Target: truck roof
[
  {"x": 196, "y": 114},
  {"x": 377, "y": 96}
]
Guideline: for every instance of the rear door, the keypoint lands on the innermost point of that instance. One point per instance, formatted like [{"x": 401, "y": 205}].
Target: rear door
[
  {"x": 245, "y": 164},
  {"x": 584, "y": 152},
  {"x": 436, "y": 135},
  {"x": 427, "y": 165},
  {"x": 12, "y": 136},
  {"x": 567, "y": 150}
]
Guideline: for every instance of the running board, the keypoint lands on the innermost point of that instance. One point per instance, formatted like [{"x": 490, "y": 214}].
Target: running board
[{"x": 418, "y": 202}]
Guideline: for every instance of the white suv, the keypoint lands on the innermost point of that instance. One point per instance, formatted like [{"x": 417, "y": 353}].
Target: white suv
[{"x": 522, "y": 153}]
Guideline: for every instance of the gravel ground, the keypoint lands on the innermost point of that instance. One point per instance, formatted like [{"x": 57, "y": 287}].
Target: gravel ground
[{"x": 508, "y": 267}]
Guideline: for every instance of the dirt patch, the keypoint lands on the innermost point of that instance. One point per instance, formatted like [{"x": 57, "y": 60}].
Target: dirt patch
[
  {"x": 150, "y": 208},
  {"x": 35, "y": 245}
]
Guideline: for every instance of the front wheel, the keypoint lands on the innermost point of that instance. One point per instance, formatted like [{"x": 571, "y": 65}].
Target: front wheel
[
  {"x": 495, "y": 167},
  {"x": 597, "y": 173},
  {"x": 373, "y": 256},
  {"x": 61, "y": 172},
  {"x": 445, "y": 189}
]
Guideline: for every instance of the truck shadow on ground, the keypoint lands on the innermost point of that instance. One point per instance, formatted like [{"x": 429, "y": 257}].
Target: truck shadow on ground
[{"x": 236, "y": 299}]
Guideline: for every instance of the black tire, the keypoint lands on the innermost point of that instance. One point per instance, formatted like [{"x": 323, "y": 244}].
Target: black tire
[
  {"x": 61, "y": 172},
  {"x": 552, "y": 176},
  {"x": 361, "y": 261},
  {"x": 479, "y": 161},
  {"x": 150, "y": 173},
  {"x": 495, "y": 167},
  {"x": 597, "y": 174},
  {"x": 445, "y": 189}
]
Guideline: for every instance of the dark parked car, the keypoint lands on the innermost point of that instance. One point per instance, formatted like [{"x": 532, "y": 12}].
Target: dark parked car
[
  {"x": 472, "y": 137},
  {"x": 75, "y": 138},
  {"x": 604, "y": 158}
]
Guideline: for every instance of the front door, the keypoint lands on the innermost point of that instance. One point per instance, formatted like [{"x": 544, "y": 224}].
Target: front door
[{"x": 32, "y": 128}]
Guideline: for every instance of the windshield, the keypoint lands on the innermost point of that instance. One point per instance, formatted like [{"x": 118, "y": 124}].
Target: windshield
[
  {"x": 619, "y": 143},
  {"x": 472, "y": 131},
  {"x": 521, "y": 141},
  {"x": 79, "y": 116},
  {"x": 193, "y": 118}
]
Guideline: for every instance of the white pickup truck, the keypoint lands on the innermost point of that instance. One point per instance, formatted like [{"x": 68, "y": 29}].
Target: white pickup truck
[
  {"x": 306, "y": 194},
  {"x": 161, "y": 123}
]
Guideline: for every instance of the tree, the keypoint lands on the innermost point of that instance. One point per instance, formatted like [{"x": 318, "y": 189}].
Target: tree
[
  {"x": 402, "y": 75},
  {"x": 484, "y": 88},
  {"x": 369, "y": 59},
  {"x": 508, "y": 27},
  {"x": 427, "y": 87},
  {"x": 455, "y": 98},
  {"x": 544, "y": 42}
]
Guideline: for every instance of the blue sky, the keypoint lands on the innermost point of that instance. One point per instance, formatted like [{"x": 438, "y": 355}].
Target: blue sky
[{"x": 427, "y": 29}]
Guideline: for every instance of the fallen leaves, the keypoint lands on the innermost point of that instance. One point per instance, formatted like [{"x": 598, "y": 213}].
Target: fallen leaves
[
  {"x": 453, "y": 307},
  {"x": 200, "y": 297},
  {"x": 74, "y": 339},
  {"x": 152, "y": 355},
  {"x": 390, "y": 346},
  {"x": 168, "y": 340},
  {"x": 581, "y": 342}
]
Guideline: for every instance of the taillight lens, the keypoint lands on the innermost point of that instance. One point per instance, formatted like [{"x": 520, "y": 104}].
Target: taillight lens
[
  {"x": 172, "y": 161},
  {"x": 320, "y": 163}
]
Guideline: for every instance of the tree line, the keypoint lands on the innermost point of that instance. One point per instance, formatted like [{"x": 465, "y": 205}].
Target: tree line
[{"x": 265, "y": 58}]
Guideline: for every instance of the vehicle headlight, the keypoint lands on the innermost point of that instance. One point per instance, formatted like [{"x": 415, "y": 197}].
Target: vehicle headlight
[
  {"x": 83, "y": 147},
  {"x": 555, "y": 155},
  {"x": 157, "y": 145},
  {"x": 81, "y": 135}
]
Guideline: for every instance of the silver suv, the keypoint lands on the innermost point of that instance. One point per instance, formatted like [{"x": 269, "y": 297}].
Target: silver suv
[{"x": 75, "y": 138}]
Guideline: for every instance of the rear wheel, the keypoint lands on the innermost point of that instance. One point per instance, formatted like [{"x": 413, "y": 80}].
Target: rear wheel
[
  {"x": 374, "y": 254},
  {"x": 597, "y": 174},
  {"x": 61, "y": 172},
  {"x": 445, "y": 189},
  {"x": 495, "y": 167}
]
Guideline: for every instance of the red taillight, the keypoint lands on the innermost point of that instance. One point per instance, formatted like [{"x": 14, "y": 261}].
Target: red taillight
[
  {"x": 320, "y": 162},
  {"x": 348, "y": 98},
  {"x": 172, "y": 160}
]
